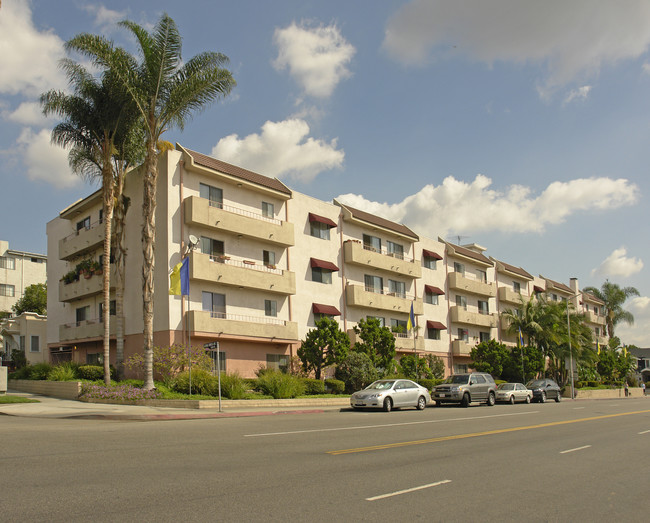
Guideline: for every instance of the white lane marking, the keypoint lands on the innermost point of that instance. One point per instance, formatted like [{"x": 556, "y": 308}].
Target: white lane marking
[
  {"x": 578, "y": 408},
  {"x": 573, "y": 450},
  {"x": 644, "y": 432},
  {"x": 361, "y": 427},
  {"x": 406, "y": 491}
]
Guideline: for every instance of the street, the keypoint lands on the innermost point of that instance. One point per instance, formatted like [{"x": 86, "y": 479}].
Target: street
[{"x": 568, "y": 461}]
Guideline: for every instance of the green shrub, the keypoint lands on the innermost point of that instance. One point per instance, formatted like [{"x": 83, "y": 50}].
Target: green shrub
[
  {"x": 280, "y": 385},
  {"x": 428, "y": 383},
  {"x": 313, "y": 386},
  {"x": 593, "y": 383},
  {"x": 40, "y": 371},
  {"x": 233, "y": 386},
  {"x": 356, "y": 371},
  {"x": 335, "y": 386},
  {"x": 203, "y": 382},
  {"x": 22, "y": 373},
  {"x": 91, "y": 372},
  {"x": 63, "y": 372},
  {"x": 250, "y": 383}
]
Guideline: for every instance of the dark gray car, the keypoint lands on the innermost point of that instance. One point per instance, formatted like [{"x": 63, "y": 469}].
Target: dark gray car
[
  {"x": 466, "y": 388},
  {"x": 545, "y": 389}
]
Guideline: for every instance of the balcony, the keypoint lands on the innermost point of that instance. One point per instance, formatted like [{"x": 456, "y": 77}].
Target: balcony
[
  {"x": 359, "y": 296},
  {"x": 403, "y": 342},
  {"x": 592, "y": 317},
  {"x": 81, "y": 241},
  {"x": 461, "y": 348},
  {"x": 506, "y": 294},
  {"x": 205, "y": 322},
  {"x": 239, "y": 222},
  {"x": 459, "y": 282},
  {"x": 356, "y": 254},
  {"x": 84, "y": 287},
  {"x": 460, "y": 315},
  {"x": 85, "y": 329},
  {"x": 241, "y": 273}
]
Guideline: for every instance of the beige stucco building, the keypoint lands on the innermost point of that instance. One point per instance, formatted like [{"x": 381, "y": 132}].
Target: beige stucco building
[
  {"x": 265, "y": 262},
  {"x": 18, "y": 270},
  {"x": 26, "y": 332}
]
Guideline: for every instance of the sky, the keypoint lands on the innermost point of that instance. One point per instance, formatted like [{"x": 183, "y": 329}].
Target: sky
[{"x": 521, "y": 126}]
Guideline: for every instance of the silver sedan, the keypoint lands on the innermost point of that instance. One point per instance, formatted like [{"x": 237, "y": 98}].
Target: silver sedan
[
  {"x": 513, "y": 392},
  {"x": 389, "y": 394}
]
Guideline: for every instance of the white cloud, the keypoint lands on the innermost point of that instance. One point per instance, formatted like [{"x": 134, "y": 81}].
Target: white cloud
[
  {"x": 637, "y": 334},
  {"x": 618, "y": 264},
  {"x": 646, "y": 67},
  {"x": 28, "y": 113},
  {"x": 45, "y": 162},
  {"x": 571, "y": 40},
  {"x": 28, "y": 57},
  {"x": 282, "y": 149},
  {"x": 473, "y": 207},
  {"x": 580, "y": 93},
  {"x": 317, "y": 57},
  {"x": 105, "y": 18}
]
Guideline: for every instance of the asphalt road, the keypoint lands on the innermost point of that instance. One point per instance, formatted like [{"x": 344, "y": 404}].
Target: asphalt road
[{"x": 572, "y": 461}]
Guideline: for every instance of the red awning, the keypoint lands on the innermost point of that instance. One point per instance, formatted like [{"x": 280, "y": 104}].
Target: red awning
[
  {"x": 434, "y": 290},
  {"x": 431, "y": 254},
  {"x": 435, "y": 325},
  {"x": 330, "y": 310},
  {"x": 314, "y": 262},
  {"x": 537, "y": 289},
  {"x": 316, "y": 218}
]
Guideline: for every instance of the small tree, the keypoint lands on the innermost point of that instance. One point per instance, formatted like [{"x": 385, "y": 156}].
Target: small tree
[
  {"x": 356, "y": 371},
  {"x": 34, "y": 300},
  {"x": 491, "y": 357},
  {"x": 323, "y": 346},
  {"x": 377, "y": 342},
  {"x": 19, "y": 358},
  {"x": 532, "y": 359},
  {"x": 436, "y": 365},
  {"x": 607, "y": 362},
  {"x": 414, "y": 368},
  {"x": 170, "y": 361}
]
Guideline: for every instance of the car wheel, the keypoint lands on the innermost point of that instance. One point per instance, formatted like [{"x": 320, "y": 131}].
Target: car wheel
[
  {"x": 465, "y": 401},
  {"x": 422, "y": 403},
  {"x": 527, "y": 398},
  {"x": 558, "y": 398},
  {"x": 491, "y": 400},
  {"x": 388, "y": 404},
  {"x": 542, "y": 398},
  {"x": 512, "y": 399}
]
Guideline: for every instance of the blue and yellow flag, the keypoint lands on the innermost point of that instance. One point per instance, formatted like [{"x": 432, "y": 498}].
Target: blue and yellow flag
[
  {"x": 597, "y": 347},
  {"x": 411, "y": 323},
  {"x": 521, "y": 338},
  {"x": 179, "y": 279}
]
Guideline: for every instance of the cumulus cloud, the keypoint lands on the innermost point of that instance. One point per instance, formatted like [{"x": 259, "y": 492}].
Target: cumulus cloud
[
  {"x": 316, "y": 57},
  {"x": 572, "y": 40},
  {"x": 580, "y": 93},
  {"x": 106, "y": 19},
  {"x": 459, "y": 206},
  {"x": 283, "y": 149},
  {"x": 636, "y": 334},
  {"x": 28, "y": 113},
  {"x": 28, "y": 57},
  {"x": 45, "y": 162},
  {"x": 618, "y": 264}
]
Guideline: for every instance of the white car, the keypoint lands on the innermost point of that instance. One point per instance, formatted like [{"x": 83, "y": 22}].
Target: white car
[
  {"x": 389, "y": 394},
  {"x": 513, "y": 392}
]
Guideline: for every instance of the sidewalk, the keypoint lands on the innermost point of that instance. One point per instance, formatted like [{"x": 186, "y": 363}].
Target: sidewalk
[{"x": 49, "y": 407}]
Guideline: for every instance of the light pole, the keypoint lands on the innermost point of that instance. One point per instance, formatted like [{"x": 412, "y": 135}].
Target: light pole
[{"x": 568, "y": 323}]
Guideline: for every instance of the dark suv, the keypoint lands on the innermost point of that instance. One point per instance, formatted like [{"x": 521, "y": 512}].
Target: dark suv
[{"x": 465, "y": 388}]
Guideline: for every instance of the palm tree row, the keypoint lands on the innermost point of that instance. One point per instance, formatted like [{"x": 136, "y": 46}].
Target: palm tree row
[{"x": 114, "y": 121}]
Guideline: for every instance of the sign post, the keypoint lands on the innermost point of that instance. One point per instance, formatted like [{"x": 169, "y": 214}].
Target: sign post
[{"x": 213, "y": 346}]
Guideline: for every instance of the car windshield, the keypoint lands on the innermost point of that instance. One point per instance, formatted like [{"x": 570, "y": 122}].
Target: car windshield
[
  {"x": 506, "y": 386},
  {"x": 460, "y": 378},
  {"x": 380, "y": 385},
  {"x": 535, "y": 384}
]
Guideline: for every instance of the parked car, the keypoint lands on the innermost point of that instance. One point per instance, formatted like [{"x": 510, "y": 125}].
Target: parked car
[
  {"x": 390, "y": 394},
  {"x": 545, "y": 389},
  {"x": 513, "y": 392},
  {"x": 465, "y": 388}
]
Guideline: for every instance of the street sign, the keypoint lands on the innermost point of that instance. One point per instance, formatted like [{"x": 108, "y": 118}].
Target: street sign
[{"x": 213, "y": 345}]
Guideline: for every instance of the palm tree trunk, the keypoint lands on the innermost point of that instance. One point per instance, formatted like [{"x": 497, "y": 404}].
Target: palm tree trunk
[
  {"x": 108, "y": 190},
  {"x": 119, "y": 255},
  {"x": 148, "y": 251}
]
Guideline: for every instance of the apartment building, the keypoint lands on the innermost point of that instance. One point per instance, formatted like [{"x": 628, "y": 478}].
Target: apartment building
[
  {"x": 514, "y": 288},
  {"x": 265, "y": 263},
  {"x": 27, "y": 333},
  {"x": 594, "y": 312},
  {"x": 18, "y": 270}
]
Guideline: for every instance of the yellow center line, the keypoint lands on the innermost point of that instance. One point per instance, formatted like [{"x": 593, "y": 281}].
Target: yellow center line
[{"x": 477, "y": 434}]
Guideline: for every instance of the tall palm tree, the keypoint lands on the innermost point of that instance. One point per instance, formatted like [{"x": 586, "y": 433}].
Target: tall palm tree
[
  {"x": 524, "y": 318},
  {"x": 95, "y": 117},
  {"x": 614, "y": 296},
  {"x": 166, "y": 92}
]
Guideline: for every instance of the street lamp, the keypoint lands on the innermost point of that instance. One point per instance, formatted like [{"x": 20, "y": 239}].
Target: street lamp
[{"x": 568, "y": 323}]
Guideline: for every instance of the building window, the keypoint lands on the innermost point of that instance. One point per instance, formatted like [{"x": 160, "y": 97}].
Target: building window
[
  {"x": 268, "y": 258},
  {"x": 484, "y": 336},
  {"x": 268, "y": 210},
  {"x": 461, "y": 301},
  {"x": 597, "y": 332},
  {"x": 82, "y": 313},
  {"x": 22, "y": 343},
  {"x": 374, "y": 283},
  {"x": 101, "y": 215},
  {"x": 482, "y": 276},
  {"x": 463, "y": 334},
  {"x": 111, "y": 312},
  {"x": 83, "y": 224},
  {"x": 95, "y": 358},
  {"x": 433, "y": 334},
  {"x": 222, "y": 360},
  {"x": 270, "y": 308},
  {"x": 430, "y": 263},
  {"x": 213, "y": 194},
  {"x": 460, "y": 268},
  {"x": 212, "y": 247},
  {"x": 483, "y": 307},
  {"x": 430, "y": 298},
  {"x": 214, "y": 303},
  {"x": 371, "y": 243},
  {"x": 516, "y": 286},
  {"x": 7, "y": 262},
  {"x": 554, "y": 297},
  {"x": 397, "y": 288},
  {"x": 460, "y": 368},
  {"x": 595, "y": 310},
  {"x": 277, "y": 362},
  {"x": 395, "y": 249},
  {"x": 319, "y": 230},
  {"x": 398, "y": 326},
  {"x": 382, "y": 321},
  {"x": 7, "y": 290},
  {"x": 321, "y": 275}
]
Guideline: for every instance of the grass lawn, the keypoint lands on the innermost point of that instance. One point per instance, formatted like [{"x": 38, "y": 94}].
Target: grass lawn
[{"x": 7, "y": 398}]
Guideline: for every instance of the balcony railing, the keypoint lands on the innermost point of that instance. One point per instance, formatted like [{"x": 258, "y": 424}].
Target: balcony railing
[
  {"x": 357, "y": 253},
  {"x": 267, "y": 320},
  {"x": 245, "y": 212},
  {"x": 246, "y": 264}
]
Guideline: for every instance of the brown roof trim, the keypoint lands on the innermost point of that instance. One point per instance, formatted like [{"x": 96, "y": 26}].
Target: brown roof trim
[
  {"x": 514, "y": 270},
  {"x": 315, "y": 262},
  {"x": 559, "y": 286},
  {"x": 238, "y": 172},
  {"x": 468, "y": 253},
  {"x": 330, "y": 310},
  {"x": 435, "y": 325},
  {"x": 590, "y": 297},
  {"x": 321, "y": 219},
  {"x": 371, "y": 219}
]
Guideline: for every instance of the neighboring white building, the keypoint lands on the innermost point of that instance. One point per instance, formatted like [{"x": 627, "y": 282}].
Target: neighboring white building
[
  {"x": 18, "y": 270},
  {"x": 26, "y": 332}
]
